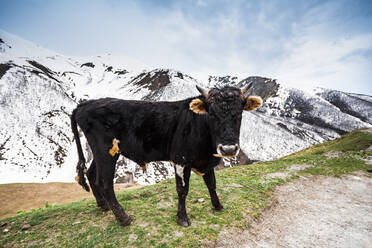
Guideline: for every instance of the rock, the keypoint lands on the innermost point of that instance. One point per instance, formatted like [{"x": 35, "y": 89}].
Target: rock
[
  {"x": 5, "y": 230},
  {"x": 163, "y": 204},
  {"x": 235, "y": 185},
  {"x": 88, "y": 64},
  {"x": 2, "y": 224},
  {"x": 282, "y": 175},
  {"x": 201, "y": 200},
  {"x": 215, "y": 226},
  {"x": 132, "y": 237},
  {"x": 76, "y": 223},
  {"x": 25, "y": 227},
  {"x": 178, "y": 234}
]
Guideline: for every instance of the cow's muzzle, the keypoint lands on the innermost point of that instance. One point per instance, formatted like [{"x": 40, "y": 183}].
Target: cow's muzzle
[{"x": 227, "y": 151}]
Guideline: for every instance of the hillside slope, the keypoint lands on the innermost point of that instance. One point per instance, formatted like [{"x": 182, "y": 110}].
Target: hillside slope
[
  {"x": 245, "y": 192},
  {"x": 39, "y": 88}
]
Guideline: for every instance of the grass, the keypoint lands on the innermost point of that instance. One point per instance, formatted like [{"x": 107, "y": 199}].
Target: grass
[{"x": 244, "y": 191}]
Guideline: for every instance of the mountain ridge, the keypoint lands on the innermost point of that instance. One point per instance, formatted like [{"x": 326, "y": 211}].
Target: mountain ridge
[{"x": 39, "y": 89}]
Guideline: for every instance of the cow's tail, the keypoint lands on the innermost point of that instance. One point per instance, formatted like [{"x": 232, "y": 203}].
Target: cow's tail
[{"x": 80, "y": 167}]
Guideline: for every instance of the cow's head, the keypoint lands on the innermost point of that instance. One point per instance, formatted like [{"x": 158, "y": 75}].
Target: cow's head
[{"x": 224, "y": 108}]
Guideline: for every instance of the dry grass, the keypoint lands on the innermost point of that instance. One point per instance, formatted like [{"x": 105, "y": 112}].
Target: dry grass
[{"x": 27, "y": 196}]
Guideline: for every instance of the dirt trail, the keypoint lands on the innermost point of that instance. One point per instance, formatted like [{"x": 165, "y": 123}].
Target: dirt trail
[
  {"x": 313, "y": 212},
  {"x": 26, "y": 196}
]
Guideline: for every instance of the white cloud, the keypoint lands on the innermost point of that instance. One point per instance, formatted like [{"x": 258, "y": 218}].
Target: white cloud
[
  {"x": 201, "y": 3},
  {"x": 327, "y": 63},
  {"x": 301, "y": 43}
]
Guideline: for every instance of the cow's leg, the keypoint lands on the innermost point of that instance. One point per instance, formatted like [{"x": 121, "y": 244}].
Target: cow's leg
[
  {"x": 97, "y": 187},
  {"x": 182, "y": 183},
  {"x": 210, "y": 181},
  {"x": 107, "y": 169}
]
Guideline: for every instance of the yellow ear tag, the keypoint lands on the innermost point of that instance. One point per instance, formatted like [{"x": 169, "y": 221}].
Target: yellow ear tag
[
  {"x": 115, "y": 147},
  {"x": 197, "y": 106},
  {"x": 253, "y": 103}
]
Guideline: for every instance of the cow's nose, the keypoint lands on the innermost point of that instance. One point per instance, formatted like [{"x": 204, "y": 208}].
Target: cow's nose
[{"x": 229, "y": 150}]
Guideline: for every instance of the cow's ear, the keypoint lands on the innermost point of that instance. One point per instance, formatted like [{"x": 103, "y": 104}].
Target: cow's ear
[
  {"x": 252, "y": 103},
  {"x": 197, "y": 106}
]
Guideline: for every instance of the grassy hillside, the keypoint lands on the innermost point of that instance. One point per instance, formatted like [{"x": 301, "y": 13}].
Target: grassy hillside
[{"x": 244, "y": 191}]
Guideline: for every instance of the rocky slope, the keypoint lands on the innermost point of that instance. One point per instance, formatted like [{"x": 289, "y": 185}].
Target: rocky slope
[{"x": 39, "y": 88}]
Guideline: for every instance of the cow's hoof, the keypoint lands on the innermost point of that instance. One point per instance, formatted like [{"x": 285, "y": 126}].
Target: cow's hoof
[
  {"x": 125, "y": 221},
  {"x": 219, "y": 208},
  {"x": 183, "y": 222}
]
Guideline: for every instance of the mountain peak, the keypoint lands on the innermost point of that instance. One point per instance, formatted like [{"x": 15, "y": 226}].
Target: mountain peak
[{"x": 13, "y": 46}]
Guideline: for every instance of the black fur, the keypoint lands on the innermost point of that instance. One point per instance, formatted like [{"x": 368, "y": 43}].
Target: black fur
[{"x": 157, "y": 131}]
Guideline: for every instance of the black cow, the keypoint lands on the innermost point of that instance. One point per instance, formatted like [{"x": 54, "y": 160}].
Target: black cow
[{"x": 193, "y": 134}]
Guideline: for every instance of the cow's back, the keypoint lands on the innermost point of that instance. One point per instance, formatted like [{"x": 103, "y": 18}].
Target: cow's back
[{"x": 145, "y": 129}]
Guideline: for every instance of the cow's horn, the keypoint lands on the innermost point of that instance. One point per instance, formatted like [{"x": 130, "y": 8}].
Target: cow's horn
[
  {"x": 204, "y": 92},
  {"x": 246, "y": 88}
]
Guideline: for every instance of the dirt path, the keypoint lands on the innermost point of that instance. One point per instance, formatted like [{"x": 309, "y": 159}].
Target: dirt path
[
  {"x": 26, "y": 196},
  {"x": 313, "y": 212}
]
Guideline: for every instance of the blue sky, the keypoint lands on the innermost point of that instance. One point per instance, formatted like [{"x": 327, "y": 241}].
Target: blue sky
[{"x": 301, "y": 43}]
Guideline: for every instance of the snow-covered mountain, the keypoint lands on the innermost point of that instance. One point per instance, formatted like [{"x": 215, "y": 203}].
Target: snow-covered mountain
[{"x": 39, "y": 88}]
